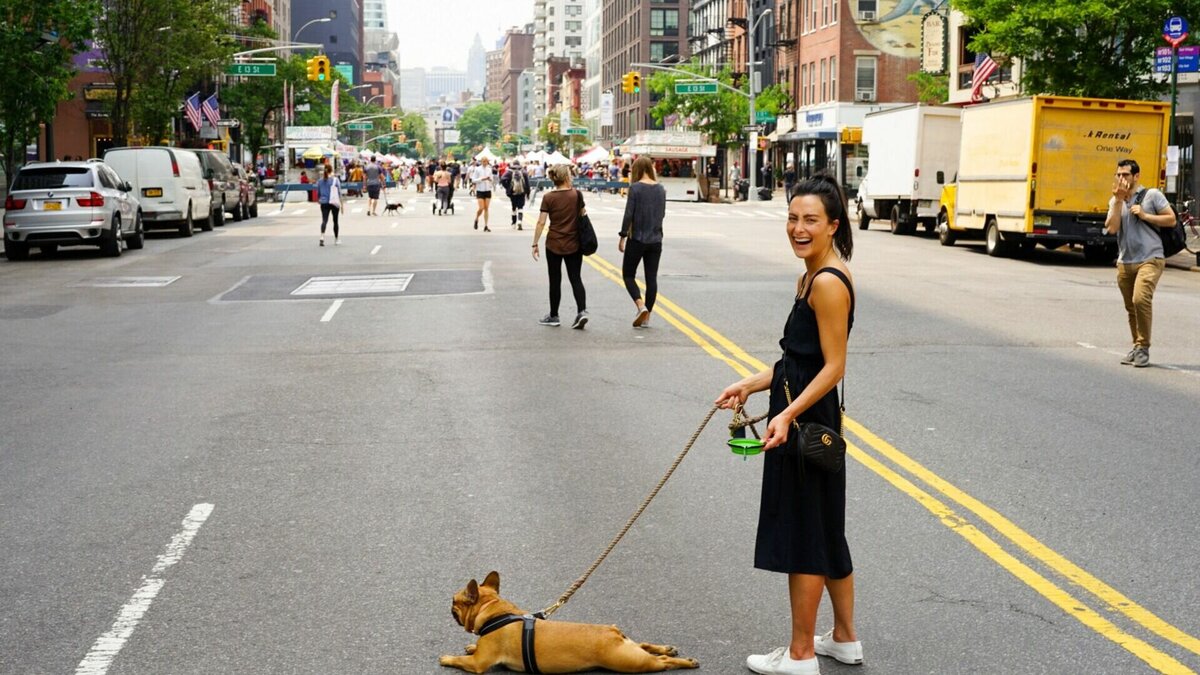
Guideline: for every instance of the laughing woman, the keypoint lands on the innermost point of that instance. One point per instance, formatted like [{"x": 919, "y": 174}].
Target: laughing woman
[{"x": 802, "y": 516}]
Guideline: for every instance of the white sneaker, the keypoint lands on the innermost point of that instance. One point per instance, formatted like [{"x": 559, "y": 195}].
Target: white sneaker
[
  {"x": 780, "y": 662},
  {"x": 846, "y": 652}
]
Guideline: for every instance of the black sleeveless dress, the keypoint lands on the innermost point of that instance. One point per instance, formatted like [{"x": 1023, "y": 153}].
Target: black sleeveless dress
[{"x": 802, "y": 518}]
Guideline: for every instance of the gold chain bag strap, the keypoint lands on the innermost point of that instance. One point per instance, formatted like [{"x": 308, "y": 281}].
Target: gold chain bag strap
[{"x": 818, "y": 444}]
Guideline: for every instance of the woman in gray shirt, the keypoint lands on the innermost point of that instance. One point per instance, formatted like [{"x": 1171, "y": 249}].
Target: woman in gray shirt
[{"x": 641, "y": 236}]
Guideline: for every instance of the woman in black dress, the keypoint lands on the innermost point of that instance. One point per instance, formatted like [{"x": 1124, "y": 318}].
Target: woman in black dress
[{"x": 802, "y": 517}]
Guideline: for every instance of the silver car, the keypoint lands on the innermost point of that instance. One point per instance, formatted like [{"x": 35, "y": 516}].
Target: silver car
[{"x": 54, "y": 204}]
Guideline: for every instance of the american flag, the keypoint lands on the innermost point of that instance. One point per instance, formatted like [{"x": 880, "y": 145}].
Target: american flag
[
  {"x": 984, "y": 67},
  {"x": 191, "y": 108},
  {"x": 212, "y": 110}
]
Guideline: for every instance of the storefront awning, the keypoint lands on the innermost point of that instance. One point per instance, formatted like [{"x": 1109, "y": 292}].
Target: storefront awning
[{"x": 808, "y": 135}]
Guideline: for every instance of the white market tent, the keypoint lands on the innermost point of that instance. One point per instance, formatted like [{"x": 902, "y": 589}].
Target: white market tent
[
  {"x": 555, "y": 158},
  {"x": 596, "y": 154},
  {"x": 534, "y": 157},
  {"x": 487, "y": 154}
]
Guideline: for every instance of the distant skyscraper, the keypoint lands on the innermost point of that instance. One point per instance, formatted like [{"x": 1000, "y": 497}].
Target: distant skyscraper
[{"x": 477, "y": 66}]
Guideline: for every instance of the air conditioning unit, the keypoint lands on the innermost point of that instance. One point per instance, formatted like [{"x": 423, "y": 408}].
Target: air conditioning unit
[
  {"x": 866, "y": 15},
  {"x": 864, "y": 95}
]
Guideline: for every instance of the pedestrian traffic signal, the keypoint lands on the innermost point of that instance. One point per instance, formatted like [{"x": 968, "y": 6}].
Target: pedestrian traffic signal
[
  {"x": 636, "y": 79},
  {"x": 311, "y": 65},
  {"x": 322, "y": 62},
  {"x": 627, "y": 83}
]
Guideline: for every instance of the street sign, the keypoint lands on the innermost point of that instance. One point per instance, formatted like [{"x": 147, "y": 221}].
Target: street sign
[
  {"x": 228, "y": 123},
  {"x": 577, "y": 131},
  {"x": 764, "y": 116},
  {"x": 751, "y": 127},
  {"x": 695, "y": 87},
  {"x": 251, "y": 69},
  {"x": 360, "y": 126},
  {"x": 1175, "y": 30},
  {"x": 1189, "y": 59}
]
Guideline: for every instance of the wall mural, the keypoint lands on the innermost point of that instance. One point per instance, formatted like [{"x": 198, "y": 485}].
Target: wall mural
[{"x": 897, "y": 27}]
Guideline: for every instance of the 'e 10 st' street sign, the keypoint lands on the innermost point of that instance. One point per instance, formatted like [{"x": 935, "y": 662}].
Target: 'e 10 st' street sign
[
  {"x": 695, "y": 87},
  {"x": 251, "y": 69}
]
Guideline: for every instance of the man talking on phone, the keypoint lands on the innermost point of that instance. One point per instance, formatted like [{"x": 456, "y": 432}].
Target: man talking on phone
[{"x": 1134, "y": 214}]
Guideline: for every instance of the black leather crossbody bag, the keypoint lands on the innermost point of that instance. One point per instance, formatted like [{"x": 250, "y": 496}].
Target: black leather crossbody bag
[{"x": 817, "y": 443}]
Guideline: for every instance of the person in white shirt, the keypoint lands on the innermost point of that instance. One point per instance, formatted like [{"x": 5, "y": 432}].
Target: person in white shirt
[{"x": 482, "y": 179}]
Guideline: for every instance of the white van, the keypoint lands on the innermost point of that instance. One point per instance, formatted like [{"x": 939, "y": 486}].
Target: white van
[{"x": 169, "y": 183}]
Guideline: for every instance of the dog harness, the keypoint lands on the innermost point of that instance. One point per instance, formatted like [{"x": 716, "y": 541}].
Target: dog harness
[{"x": 526, "y": 636}]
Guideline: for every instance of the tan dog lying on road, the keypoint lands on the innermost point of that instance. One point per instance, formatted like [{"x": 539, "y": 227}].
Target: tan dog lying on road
[{"x": 557, "y": 647}]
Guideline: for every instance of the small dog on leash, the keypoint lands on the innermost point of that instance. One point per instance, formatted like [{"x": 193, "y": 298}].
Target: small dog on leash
[
  {"x": 516, "y": 640},
  {"x": 392, "y": 208}
]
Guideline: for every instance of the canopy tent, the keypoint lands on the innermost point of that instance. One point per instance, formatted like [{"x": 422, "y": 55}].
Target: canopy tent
[
  {"x": 596, "y": 154},
  {"x": 317, "y": 152},
  {"x": 555, "y": 158},
  {"x": 487, "y": 154},
  {"x": 534, "y": 157}
]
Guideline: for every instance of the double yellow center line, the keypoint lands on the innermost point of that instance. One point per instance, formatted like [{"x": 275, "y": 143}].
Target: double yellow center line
[{"x": 1112, "y": 601}]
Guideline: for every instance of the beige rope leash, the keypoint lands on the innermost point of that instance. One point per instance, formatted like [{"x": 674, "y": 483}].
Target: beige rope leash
[{"x": 645, "y": 502}]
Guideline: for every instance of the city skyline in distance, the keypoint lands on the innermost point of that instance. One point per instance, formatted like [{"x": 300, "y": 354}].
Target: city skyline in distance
[{"x": 440, "y": 33}]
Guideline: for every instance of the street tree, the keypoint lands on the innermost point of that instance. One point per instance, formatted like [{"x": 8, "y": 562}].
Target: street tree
[
  {"x": 1101, "y": 48},
  {"x": 720, "y": 115},
  {"x": 154, "y": 50},
  {"x": 559, "y": 138},
  {"x": 38, "y": 38},
  {"x": 480, "y": 125},
  {"x": 257, "y": 101}
]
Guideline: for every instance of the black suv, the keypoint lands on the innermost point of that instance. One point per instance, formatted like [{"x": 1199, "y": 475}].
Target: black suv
[{"x": 224, "y": 184}]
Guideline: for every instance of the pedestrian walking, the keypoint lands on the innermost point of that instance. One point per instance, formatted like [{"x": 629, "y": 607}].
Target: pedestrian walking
[
  {"x": 1135, "y": 213},
  {"x": 444, "y": 183},
  {"x": 481, "y": 179},
  {"x": 516, "y": 186},
  {"x": 735, "y": 174},
  {"x": 802, "y": 516},
  {"x": 561, "y": 208},
  {"x": 373, "y": 173},
  {"x": 789, "y": 181},
  {"x": 329, "y": 195},
  {"x": 641, "y": 236}
]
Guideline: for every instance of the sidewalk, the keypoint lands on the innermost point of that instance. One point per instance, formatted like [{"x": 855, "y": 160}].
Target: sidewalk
[{"x": 1185, "y": 261}]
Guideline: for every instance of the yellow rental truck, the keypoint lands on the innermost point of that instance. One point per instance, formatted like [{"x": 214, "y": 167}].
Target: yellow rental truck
[{"x": 1039, "y": 170}]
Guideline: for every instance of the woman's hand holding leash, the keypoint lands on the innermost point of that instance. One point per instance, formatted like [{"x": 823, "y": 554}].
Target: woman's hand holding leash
[{"x": 777, "y": 431}]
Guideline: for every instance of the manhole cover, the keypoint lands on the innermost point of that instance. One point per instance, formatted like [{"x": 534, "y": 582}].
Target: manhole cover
[
  {"x": 355, "y": 285},
  {"x": 127, "y": 282}
]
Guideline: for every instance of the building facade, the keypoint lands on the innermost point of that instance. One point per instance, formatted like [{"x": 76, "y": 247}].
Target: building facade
[
  {"x": 709, "y": 40},
  {"x": 444, "y": 85},
  {"x": 639, "y": 31},
  {"x": 516, "y": 57},
  {"x": 412, "y": 89},
  {"x": 477, "y": 67},
  {"x": 341, "y": 38},
  {"x": 558, "y": 32},
  {"x": 593, "y": 52},
  {"x": 494, "y": 61}
]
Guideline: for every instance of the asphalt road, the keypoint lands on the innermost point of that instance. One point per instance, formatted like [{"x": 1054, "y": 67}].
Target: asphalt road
[{"x": 219, "y": 476}]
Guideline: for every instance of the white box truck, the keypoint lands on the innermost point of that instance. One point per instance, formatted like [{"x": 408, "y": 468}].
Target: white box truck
[{"x": 913, "y": 152}]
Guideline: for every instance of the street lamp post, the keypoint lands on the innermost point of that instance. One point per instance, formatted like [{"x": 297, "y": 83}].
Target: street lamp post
[{"x": 752, "y": 147}]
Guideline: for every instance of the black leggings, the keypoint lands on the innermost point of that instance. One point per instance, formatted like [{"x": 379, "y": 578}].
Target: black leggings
[
  {"x": 635, "y": 252},
  {"x": 326, "y": 209},
  {"x": 574, "y": 265}
]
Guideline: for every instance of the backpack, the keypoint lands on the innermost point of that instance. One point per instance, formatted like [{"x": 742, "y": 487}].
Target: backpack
[
  {"x": 1172, "y": 237},
  {"x": 518, "y": 183}
]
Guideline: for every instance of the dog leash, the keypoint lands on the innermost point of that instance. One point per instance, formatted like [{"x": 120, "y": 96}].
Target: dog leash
[{"x": 545, "y": 613}]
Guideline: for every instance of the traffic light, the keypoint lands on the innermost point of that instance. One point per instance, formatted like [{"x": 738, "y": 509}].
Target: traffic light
[
  {"x": 552, "y": 127},
  {"x": 397, "y": 125},
  {"x": 636, "y": 80},
  {"x": 403, "y": 137},
  {"x": 322, "y": 62},
  {"x": 627, "y": 83},
  {"x": 311, "y": 64}
]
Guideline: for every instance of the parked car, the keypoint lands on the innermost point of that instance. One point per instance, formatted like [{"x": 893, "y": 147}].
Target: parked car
[
  {"x": 248, "y": 183},
  {"x": 54, "y": 204},
  {"x": 223, "y": 182},
  {"x": 170, "y": 184}
]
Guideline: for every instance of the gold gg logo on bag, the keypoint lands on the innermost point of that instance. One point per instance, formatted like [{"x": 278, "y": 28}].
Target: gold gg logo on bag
[{"x": 826, "y": 439}]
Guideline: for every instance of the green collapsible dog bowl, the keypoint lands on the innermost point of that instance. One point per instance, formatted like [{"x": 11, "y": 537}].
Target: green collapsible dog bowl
[{"x": 745, "y": 446}]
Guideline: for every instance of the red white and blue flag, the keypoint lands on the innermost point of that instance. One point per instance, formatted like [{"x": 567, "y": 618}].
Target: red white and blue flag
[
  {"x": 984, "y": 67},
  {"x": 191, "y": 109},
  {"x": 212, "y": 110}
]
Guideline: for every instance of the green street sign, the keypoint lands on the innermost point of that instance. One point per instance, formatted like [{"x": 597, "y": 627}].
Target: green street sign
[
  {"x": 360, "y": 126},
  {"x": 251, "y": 69},
  {"x": 577, "y": 131},
  {"x": 763, "y": 116},
  {"x": 695, "y": 87}
]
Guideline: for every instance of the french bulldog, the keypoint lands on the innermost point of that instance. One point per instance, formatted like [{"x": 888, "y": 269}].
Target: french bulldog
[{"x": 559, "y": 647}]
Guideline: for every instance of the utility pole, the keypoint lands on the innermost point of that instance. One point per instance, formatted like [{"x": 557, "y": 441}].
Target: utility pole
[{"x": 752, "y": 148}]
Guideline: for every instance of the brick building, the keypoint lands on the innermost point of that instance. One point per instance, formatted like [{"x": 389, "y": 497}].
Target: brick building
[{"x": 639, "y": 31}]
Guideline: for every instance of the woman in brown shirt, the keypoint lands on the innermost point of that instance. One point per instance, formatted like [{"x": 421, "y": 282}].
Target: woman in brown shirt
[{"x": 561, "y": 206}]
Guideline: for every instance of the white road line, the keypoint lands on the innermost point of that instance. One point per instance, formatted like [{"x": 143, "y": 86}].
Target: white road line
[
  {"x": 106, "y": 647},
  {"x": 337, "y": 304},
  {"x": 357, "y": 210},
  {"x": 1114, "y": 352},
  {"x": 487, "y": 277},
  {"x": 376, "y": 249},
  {"x": 299, "y": 212}
]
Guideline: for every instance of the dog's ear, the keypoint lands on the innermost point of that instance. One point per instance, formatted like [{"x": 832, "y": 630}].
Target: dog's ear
[
  {"x": 492, "y": 581},
  {"x": 472, "y": 591}
]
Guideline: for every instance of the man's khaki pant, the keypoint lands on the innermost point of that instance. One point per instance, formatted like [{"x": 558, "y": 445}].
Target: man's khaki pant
[{"x": 1137, "y": 282}]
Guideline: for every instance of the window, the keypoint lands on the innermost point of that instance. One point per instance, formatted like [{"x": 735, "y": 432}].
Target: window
[
  {"x": 573, "y": 25},
  {"x": 867, "y": 9},
  {"x": 804, "y": 84},
  {"x": 574, "y": 10},
  {"x": 833, "y": 92},
  {"x": 812, "y": 25},
  {"x": 573, "y": 41},
  {"x": 864, "y": 78},
  {"x": 551, "y": 42},
  {"x": 835, "y": 9},
  {"x": 824, "y": 12},
  {"x": 812, "y": 81},
  {"x": 661, "y": 50},
  {"x": 551, "y": 26},
  {"x": 824, "y": 83},
  {"x": 664, "y": 22},
  {"x": 333, "y": 39},
  {"x": 551, "y": 10}
]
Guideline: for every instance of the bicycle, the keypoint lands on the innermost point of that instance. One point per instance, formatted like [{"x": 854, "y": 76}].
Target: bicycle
[{"x": 1191, "y": 228}]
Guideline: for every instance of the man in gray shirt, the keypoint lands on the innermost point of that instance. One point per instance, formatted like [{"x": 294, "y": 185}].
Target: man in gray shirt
[
  {"x": 371, "y": 175},
  {"x": 1135, "y": 213}
]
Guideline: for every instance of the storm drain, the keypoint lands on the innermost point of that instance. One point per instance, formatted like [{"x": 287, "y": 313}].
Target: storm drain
[
  {"x": 127, "y": 282},
  {"x": 367, "y": 284}
]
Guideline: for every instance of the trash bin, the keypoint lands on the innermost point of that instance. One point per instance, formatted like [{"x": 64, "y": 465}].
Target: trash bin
[
  {"x": 714, "y": 190},
  {"x": 764, "y": 194}
]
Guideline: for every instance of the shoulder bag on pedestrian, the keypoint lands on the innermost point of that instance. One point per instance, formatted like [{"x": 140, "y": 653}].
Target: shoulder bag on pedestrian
[
  {"x": 1172, "y": 237},
  {"x": 583, "y": 225},
  {"x": 817, "y": 443}
]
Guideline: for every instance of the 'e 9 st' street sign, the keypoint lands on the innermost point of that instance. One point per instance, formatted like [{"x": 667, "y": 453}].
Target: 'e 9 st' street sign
[{"x": 251, "y": 69}]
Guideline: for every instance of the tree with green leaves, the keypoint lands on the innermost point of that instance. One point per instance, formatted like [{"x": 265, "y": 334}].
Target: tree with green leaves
[
  {"x": 38, "y": 38},
  {"x": 721, "y": 115},
  {"x": 256, "y": 101},
  {"x": 560, "y": 138},
  {"x": 154, "y": 50},
  {"x": 1100, "y": 48},
  {"x": 480, "y": 125},
  {"x": 931, "y": 89}
]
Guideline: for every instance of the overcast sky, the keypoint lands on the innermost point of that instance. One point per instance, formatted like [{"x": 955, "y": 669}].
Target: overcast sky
[{"x": 440, "y": 32}]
